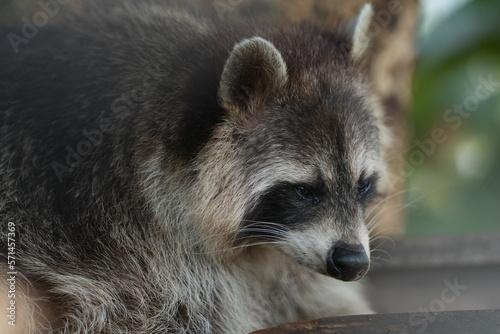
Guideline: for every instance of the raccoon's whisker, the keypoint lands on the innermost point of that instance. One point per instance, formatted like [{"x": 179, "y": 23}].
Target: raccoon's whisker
[
  {"x": 376, "y": 224},
  {"x": 383, "y": 251},
  {"x": 386, "y": 199},
  {"x": 375, "y": 221},
  {"x": 372, "y": 227},
  {"x": 257, "y": 233},
  {"x": 272, "y": 233},
  {"x": 379, "y": 246},
  {"x": 259, "y": 223},
  {"x": 263, "y": 227},
  {"x": 228, "y": 249},
  {"x": 260, "y": 243},
  {"x": 383, "y": 255},
  {"x": 378, "y": 233},
  {"x": 257, "y": 238},
  {"x": 385, "y": 238},
  {"x": 374, "y": 260},
  {"x": 273, "y": 228},
  {"x": 376, "y": 215}
]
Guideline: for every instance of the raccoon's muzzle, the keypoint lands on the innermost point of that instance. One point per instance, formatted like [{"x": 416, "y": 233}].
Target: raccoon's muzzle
[{"x": 347, "y": 263}]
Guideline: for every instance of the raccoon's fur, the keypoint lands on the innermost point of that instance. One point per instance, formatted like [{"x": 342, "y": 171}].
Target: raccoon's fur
[{"x": 168, "y": 172}]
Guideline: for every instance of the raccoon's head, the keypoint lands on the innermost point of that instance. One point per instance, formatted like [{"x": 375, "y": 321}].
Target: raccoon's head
[{"x": 299, "y": 157}]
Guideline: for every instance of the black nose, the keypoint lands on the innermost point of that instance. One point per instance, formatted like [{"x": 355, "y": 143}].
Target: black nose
[{"x": 347, "y": 263}]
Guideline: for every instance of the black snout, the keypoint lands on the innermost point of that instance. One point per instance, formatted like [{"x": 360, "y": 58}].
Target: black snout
[{"x": 347, "y": 263}]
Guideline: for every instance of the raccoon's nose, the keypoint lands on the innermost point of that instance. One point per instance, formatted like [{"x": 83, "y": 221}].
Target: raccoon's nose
[{"x": 347, "y": 264}]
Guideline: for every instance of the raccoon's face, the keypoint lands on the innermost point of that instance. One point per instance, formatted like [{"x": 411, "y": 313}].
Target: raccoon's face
[
  {"x": 315, "y": 169},
  {"x": 303, "y": 150}
]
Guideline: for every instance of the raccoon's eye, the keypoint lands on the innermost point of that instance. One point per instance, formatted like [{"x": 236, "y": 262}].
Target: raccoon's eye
[
  {"x": 305, "y": 193},
  {"x": 366, "y": 187}
]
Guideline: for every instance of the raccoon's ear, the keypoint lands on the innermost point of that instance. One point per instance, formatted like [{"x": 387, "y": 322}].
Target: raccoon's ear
[
  {"x": 359, "y": 30},
  {"x": 254, "y": 72}
]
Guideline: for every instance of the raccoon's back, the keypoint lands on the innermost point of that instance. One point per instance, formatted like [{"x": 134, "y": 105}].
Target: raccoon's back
[{"x": 139, "y": 69}]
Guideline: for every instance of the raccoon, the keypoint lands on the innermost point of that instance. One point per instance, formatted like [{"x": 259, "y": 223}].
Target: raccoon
[{"x": 164, "y": 171}]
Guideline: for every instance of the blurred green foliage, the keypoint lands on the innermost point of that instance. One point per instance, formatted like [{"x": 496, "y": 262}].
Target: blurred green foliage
[{"x": 454, "y": 182}]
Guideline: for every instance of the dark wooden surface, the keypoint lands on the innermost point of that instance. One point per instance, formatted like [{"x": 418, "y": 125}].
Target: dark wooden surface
[
  {"x": 438, "y": 251},
  {"x": 457, "y": 322},
  {"x": 413, "y": 273}
]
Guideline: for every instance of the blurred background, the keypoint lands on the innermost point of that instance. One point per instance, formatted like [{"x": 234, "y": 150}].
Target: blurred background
[{"x": 452, "y": 165}]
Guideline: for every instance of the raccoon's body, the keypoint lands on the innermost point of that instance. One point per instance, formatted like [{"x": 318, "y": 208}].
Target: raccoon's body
[{"x": 172, "y": 173}]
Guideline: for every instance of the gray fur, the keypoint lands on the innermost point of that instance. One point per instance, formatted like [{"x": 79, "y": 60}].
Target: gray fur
[{"x": 136, "y": 147}]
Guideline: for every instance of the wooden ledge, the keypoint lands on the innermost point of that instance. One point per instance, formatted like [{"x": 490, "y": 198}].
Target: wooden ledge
[
  {"x": 470, "y": 322},
  {"x": 438, "y": 251}
]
